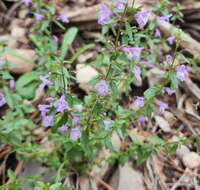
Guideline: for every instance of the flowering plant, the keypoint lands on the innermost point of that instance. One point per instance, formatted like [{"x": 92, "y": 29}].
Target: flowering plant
[{"x": 79, "y": 127}]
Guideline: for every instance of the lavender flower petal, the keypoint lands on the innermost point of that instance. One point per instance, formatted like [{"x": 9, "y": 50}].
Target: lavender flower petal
[
  {"x": 27, "y": 2},
  {"x": 44, "y": 109},
  {"x": 63, "y": 18},
  {"x": 182, "y": 72},
  {"x": 2, "y": 100},
  {"x": 106, "y": 123},
  {"x": 133, "y": 53},
  {"x": 47, "y": 121},
  {"x": 136, "y": 71},
  {"x": 142, "y": 18},
  {"x": 170, "y": 40},
  {"x": 104, "y": 15},
  {"x": 61, "y": 104},
  {"x": 63, "y": 129},
  {"x": 162, "y": 106},
  {"x": 102, "y": 88},
  {"x": 139, "y": 102},
  {"x": 38, "y": 16},
  {"x": 157, "y": 33},
  {"x": 75, "y": 133}
]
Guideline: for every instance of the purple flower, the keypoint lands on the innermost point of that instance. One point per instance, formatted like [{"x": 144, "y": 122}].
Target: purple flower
[
  {"x": 104, "y": 15},
  {"x": 49, "y": 99},
  {"x": 44, "y": 109},
  {"x": 120, "y": 4},
  {"x": 55, "y": 39},
  {"x": 198, "y": 187},
  {"x": 162, "y": 106},
  {"x": 27, "y": 2},
  {"x": 75, "y": 133},
  {"x": 142, "y": 18},
  {"x": 75, "y": 120},
  {"x": 164, "y": 18},
  {"x": 133, "y": 53},
  {"x": 157, "y": 33},
  {"x": 106, "y": 124},
  {"x": 141, "y": 120},
  {"x": 63, "y": 18},
  {"x": 169, "y": 59},
  {"x": 182, "y": 72},
  {"x": 136, "y": 71},
  {"x": 63, "y": 129},
  {"x": 139, "y": 102},
  {"x": 102, "y": 88},
  {"x": 2, "y": 99},
  {"x": 45, "y": 82},
  {"x": 12, "y": 84},
  {"x": 47, "y": 121},
  {"x": 38, "y": 16},
  {"x": 2, "y": 62},
  {"x": 147, "y": 64},
  {"x": 169, "y": 91},
  {"x": 61, "y": 104},
  {"x": 170, "y": 40}
]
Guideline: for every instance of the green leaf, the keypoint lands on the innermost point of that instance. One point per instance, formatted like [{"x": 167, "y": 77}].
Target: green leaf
[
  {"x": 170, "y": 149},
  {"x": 151, "y": 92},
  {"x": 133, "y": 137},
  {"x": 59, "y": 25},
  {"x": 109, "y": 145},
  {"x": 36, "y": 42},
  {"x": 156, "y": 140},
  {"x": 26, "y": 85},
  {"x": 68, "y": 38},
  {"x": 129, "y": 31},
  {"x": 198, "y": 143},
  {"x": 97, "y": 109},
  {"x": 80, "y": 51},
  {"x": 114, "y": 89},
  {"x": 9, "y": 98},
  {"x": 57, "y": 186},
  {"x": 173, "y": 80},
  {"x": 148, "y": 111}
]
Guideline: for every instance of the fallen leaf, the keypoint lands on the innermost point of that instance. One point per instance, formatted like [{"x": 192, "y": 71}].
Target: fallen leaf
[{"x": 162, "y": 123}]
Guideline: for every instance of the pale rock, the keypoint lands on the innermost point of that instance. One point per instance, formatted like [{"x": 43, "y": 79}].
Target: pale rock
[
  {"x": 18, "y": 33},
  {"x": 12, "y": 43},
  {"x": 170, "y": 117},
  {"x": 181, "y": 151},
  {"x": 87, "y": 183},
  {"x": 162, "y": 123},
  {"x": 127, "y": 178},
  {"x": 138, "y": 82},
  {"x": 27, "y": 22},
  {"x": 21, "y": 63},
  {"x": 84, "y": 183},
  {"x": 191, "y": 160},
  {"x": 84, "y": 74},
  {"x": 23, "y": 13}
]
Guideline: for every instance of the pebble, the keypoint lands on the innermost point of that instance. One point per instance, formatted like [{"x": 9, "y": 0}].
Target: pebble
[{"x": 191, "y": 160}]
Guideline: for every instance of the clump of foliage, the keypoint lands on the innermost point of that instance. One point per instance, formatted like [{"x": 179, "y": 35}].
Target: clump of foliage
[{"x": 79, "y": 127}]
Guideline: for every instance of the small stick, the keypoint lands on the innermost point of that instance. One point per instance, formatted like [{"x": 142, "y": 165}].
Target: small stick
[{"x": 100, "y": 181}]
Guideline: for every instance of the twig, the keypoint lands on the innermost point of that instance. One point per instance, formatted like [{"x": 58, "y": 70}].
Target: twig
[{"x": 100, "y": 181}]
